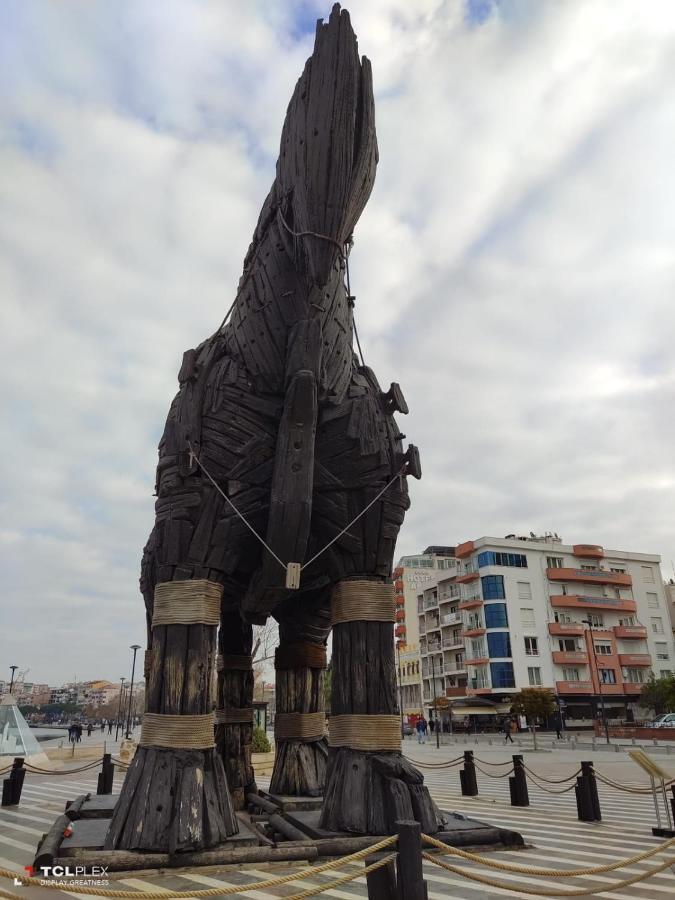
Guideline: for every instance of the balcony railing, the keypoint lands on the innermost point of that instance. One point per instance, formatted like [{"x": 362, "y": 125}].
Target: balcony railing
[
  {"x": 457, "y": 691},
  {"x": 451, "y": 619},
  {"x": 590, "y": 576},
  {"x": 582, "y": 601},
  {"x": 635, "y": 659},
  {"x": 565, "y": 629},
  {"x": 430, "y": 602},
  {"x": 574, "y": 687},
  {"x": 473, "y": 631},
  {"x": 450, "y": 642},
  {"x": 569, "y": 657},
  {"x": 636, "y": 632},
  {"x": 477, "y": 661},
  {"x": 471, "y": 602}
]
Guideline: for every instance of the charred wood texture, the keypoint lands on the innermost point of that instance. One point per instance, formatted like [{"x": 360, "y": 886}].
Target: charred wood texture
[{"x": 276, "y": 409}]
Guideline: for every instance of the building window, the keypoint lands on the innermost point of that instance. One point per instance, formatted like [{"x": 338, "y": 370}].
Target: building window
[
  {"x": 665, "y": 673},
  {"x": 634, "y": 676},
  {"x": 502, "y": 675},
  {"x": 657, "y": 626},
  {"x": 493, "y": 587},
  {"x": 570, "y": 674},
  {"x": 607, "y": 676},
  {"x": 603, "y": 649},
  {"x": 499, "y": 643},
  {"x": 496, "y": 616},
  {"x": 618, "y": 570},
  {"x": 568, "y": 645},
  {"x": 647, "y": 574},
  {"x": 534, "y": 675},
  {"x": 554, "y": 562},
  {"x": 524, "y": 590},
  {"x": 652, "y": 600},
  {"x": 627, "y": 620},
  {"x": 661, "y": 651},
  {"x": 527, "y": 617},
  {"x": 596, "y": 620},
  {"x": 493, "y": 558},
  {"x": 563, "y": 590},
  {"x": 563, "y": 618},
  {"x": 589, "y": 568},
  {"x": 531, "y": 646}
]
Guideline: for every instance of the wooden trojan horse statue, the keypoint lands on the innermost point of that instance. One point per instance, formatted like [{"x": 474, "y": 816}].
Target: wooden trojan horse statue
[{"x": 280, "y": 491}]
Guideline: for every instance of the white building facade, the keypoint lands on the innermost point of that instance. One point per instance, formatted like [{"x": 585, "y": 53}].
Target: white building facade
[{"x": 589, "y": 623}]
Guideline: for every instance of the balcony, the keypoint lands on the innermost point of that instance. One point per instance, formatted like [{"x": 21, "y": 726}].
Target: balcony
[
  {"x": 433, "y": 626},
  {"x": 467, "y": 577},
  {"x": 400, "y": 630},
  {"x": 636, "y": 632},
  {"x": 631, "y": 688},
  {"x": 574, "y": 687},
  {"x": 456, "y": 670},
  {"x": 473, "y": 692},
  {"x": 565, "y": 629},
  {"x": 464, "y": 550},
  {"x": 474, "y": 632},
  {"x": 452, "y": 644},
  {"x": 400, "y": 615},
  {"x": 590, "y": 576},
  {"x": 477, "y": 661},
  {"x": 581, "y": 601},
  {"x": 398, "y": 587},
  {"x": 434, "y": 647},
  {"x": 451, "y": 619},
  {"x": 635, "y": 659},
  {"x": 569, "y": 657},
  {"x": 459, "y": 691},
  {"x": 430, "y": 602},
  {"x": 588, "y": 551},
  {"x": 470, "y": 603}
]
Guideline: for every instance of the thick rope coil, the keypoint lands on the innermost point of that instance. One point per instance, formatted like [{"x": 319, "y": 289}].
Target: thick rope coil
[
  {"x": 223, "y": 890},
  {"x": 363, "y": 601},
  {"x": 300, "y": 655},
  {"x": 365, "y": 732},
  {"x": 300, "y": 726},
  {"x": 190, "y": 602},
  {"x": 549, "y": 892},
  {"x": 233, "y": 716},
  {"x": 551, "y": 873},
  {"x": 177, "y": 732}
]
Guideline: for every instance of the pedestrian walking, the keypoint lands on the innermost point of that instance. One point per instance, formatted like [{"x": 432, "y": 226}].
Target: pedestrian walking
[
  {"x": 89, "y": 729},
  {"x": 110, "y": 725},
  {"x": 557, "y": 724},
  {"x": 78, "y": 733},
  {"x": 420, "y": 729},
  {"x": 102, "y": 726},
  {"x": 506, "y": 727}
]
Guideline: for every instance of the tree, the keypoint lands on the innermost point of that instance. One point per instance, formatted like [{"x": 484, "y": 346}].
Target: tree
[
  {"x": 658, "y": 694},
  {"x": 534, "y": 703}
]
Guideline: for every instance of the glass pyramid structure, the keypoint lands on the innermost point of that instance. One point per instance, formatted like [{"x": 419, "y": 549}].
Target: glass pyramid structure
[{"x": 16, "y": 738}]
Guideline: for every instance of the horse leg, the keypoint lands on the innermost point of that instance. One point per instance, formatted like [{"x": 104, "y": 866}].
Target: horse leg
[
  {"x": 234, "y": 715},
  {"x": 300, "y": 662}
]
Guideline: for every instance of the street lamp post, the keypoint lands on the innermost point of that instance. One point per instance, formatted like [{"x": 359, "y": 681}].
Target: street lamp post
[
  {"x": 11, "y": 683},
  {"x": 400, "y": 685},
  {"x": 135, "y": 648},
  {"x": 597, "y": 675},
  {"x": 433, "y": 682},
  {"x": 119, "y": 707}
]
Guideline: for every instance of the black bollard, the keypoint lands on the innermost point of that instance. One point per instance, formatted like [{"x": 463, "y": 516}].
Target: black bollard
[
  {"x": 518, "y": 783},
  {"x": 411, "y": 885},
  {"x": 11, "y": 787},
  {"x": 586, "y": 790},
  {"x": 106, "y": 775},
  {"x": 467, "y": 776},
  {"x": 672, "y": 802}
]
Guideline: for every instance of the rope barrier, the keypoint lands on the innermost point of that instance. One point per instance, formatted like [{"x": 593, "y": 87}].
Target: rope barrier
[
  {"x": 30, "y": 769},
  {"x": 551, "y": 873},
  {"x": 312, "y": 892},
  {"x": 440, "y": 765},
  {"x": 503, "y": 775},
  {"x": 552, "y": 780},
  {"x": 484, "y": 762},
  {"x": 551, "y": 790},
  {"x": 223, "y": 890},
  {"x": 627, "y": 790},
  {"x": 549, "y": 892}
]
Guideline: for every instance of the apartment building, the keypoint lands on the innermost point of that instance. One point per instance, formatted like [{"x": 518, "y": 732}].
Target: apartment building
[
  {"x": 413, "y": 574},
  {"x": 533, "y": 611}
]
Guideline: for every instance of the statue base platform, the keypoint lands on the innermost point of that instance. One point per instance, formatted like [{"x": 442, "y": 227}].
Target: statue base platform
[{"x": 288, "y": 831}]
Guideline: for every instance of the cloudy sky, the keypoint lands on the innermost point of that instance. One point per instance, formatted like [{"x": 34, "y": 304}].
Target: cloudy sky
[{"x": 514, "y": 271}]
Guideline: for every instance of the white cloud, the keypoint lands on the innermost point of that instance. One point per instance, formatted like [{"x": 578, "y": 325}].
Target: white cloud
[{"x": 514, "y": 270}]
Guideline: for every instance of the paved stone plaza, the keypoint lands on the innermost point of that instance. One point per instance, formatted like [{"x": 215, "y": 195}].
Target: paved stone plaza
[{"x": 554, "y": 836}]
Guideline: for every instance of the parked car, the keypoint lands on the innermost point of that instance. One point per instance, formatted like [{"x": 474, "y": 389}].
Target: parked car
[{"x": 665, "y": 721}]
